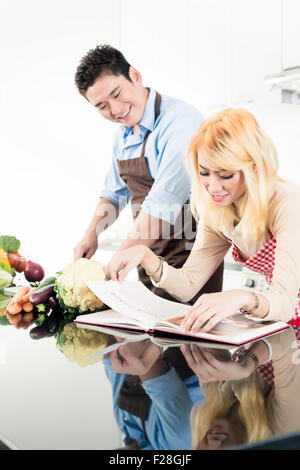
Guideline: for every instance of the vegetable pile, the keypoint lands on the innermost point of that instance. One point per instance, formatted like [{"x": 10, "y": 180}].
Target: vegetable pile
[
  {"x": 11, "y": 261},
  {"x": 79, "y": 344},
  {"x": 52, "y": 303}
]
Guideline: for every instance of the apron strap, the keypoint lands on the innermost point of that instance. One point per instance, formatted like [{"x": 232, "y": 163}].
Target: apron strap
[{"x": 156, "y": 114}]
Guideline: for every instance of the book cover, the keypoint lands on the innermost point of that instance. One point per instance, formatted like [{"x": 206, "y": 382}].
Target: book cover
[{"x": 136, "y": 308}]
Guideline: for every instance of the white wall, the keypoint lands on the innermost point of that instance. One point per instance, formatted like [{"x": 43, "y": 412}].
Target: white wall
[
  {"x": 54, "y": 153},
  {"x": 208, "y": 52},
  {"x": 54, "y": 148},
  {"x": 216, "y": 53}
]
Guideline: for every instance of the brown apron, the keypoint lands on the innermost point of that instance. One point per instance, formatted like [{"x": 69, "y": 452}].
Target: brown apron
[{"x": 136, "y": 175}]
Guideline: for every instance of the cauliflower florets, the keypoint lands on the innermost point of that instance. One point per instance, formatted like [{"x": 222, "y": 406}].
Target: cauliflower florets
[
  {"x": 72, "y": 288},
  {"x": 81, "y": 344}
]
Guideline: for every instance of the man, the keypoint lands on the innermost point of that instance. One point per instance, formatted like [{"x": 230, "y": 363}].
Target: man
[
  {"x": 153, "y": 394},
  {"x": 148, "y": 165}
]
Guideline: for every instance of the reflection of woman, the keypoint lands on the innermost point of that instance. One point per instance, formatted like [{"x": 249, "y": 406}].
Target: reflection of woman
[
  {"x": 239, "y": 407},
  {"x": 241, "y": 202}
]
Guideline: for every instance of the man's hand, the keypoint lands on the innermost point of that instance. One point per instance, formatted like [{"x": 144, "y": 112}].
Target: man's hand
[
  {"x": 106, "y": 214},
  {"x": 87, "y": 246}
]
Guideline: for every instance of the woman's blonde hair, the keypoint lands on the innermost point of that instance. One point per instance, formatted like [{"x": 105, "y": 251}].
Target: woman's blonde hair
[
  {"x": 232, "y": 140},
  {"x": 247, "y": 396}
]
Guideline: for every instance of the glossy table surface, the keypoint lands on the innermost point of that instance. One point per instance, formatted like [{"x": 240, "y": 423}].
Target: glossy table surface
[{"x": 57, "y": 395}]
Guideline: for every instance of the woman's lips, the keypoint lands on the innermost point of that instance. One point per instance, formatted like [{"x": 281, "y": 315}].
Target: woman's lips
[
  {"x": 219, "y": 198},
  {"x": 217, "y": 430}
]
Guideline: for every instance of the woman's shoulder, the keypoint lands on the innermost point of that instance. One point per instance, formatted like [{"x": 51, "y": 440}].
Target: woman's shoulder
[
  {"x": 284, "y": 191},
  {"x": 285, "y": 201}
]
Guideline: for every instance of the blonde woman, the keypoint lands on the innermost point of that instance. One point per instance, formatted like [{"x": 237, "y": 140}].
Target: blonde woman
[
  {"x": 239, "y": 406},
  {"x": 240, "y": 201}
]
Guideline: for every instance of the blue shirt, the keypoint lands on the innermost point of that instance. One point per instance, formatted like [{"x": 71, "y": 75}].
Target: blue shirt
[
  {"x": 165, "y": 154},
  {"x": 168, "y": 422}
]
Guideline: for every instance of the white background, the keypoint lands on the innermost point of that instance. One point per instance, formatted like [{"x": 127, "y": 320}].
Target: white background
[{"x": 55, "y": 150}]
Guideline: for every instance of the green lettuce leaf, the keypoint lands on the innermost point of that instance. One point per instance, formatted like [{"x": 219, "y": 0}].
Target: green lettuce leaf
[
  {"x": 4, "y": 300},
  {"x": 5, "y": 278},
  {"x": 9, "y": 243},
  {"x": 6, "y": 268}
]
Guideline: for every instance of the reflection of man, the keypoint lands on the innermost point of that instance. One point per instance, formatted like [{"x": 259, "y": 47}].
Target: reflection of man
[
  {"x": 152, "y": 396},
  {"x": 148, "y": 165}
]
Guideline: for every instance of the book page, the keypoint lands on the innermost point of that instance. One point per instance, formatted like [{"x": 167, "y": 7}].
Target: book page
[
  {"x": 134, "y": 300},
  {"x": 236, "y": 329}
]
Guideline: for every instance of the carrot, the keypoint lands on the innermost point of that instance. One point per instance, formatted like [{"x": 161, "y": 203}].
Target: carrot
[
  {"x": 27, "y": 317},
  {"x": 14, "y": 308},
  {"x": 25, "y": 298},
  {"x": 21, "y": 292},
  {"x": 27, "y": 307},
  {"x": 14, "y": 319},
  {"x": 19, "y": 324}
]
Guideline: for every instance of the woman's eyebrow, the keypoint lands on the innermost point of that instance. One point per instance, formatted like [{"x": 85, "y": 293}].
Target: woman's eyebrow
[{"x": 217, "y": 171}]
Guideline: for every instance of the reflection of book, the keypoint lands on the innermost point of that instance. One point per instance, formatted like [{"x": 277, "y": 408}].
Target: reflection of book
[{"x": 136, "y": 308}]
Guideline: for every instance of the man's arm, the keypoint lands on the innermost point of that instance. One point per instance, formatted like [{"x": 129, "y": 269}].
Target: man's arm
[
  {"x": 106, "y": 214},
  {"x": 146, "y": 229}
]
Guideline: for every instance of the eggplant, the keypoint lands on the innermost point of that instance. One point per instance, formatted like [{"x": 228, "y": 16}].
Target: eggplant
[
  {"x": 42, "y": 296},
  {"x": 53, "y": 303},
  {"x": 54, "y": 319},
  {"x": 40, "y": 332}
]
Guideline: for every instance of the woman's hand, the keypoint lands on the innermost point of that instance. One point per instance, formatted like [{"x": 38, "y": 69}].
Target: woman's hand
[
  {"x": 209, "y": 369},
  {"x": 138, "y": 359},
  {"x": 124, "y": 261},
  {"x": 210, "y": 309}
]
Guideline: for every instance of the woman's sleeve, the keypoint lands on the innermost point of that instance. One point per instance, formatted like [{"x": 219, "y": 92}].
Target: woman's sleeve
[
  {"x": 285, "y": 285},
  {"x": 207, "y": 254},
  {"x": 285, "y": 401}
]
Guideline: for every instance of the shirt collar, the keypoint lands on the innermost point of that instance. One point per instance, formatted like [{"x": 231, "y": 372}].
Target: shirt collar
[{"x": 148, "y": 118}]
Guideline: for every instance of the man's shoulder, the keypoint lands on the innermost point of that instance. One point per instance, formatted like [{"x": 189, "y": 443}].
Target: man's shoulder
[{"x": 173, "y": 108}]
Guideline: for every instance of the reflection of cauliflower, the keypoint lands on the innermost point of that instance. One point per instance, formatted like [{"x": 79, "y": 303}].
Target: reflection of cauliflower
[
  {"x": 79, "y": 344},
  {"x": 71, "y": 287}
]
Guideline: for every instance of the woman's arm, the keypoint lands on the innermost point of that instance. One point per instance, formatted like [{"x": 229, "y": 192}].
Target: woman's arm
[
  {"x": 183, "y": 283},
  {"x": 285, "y": 227},
  {"x": 285, "y": 400}
]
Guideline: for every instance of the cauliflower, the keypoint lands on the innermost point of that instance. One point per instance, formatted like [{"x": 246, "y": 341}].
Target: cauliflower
[
  {"x": 79, "y": 345},
  {"x": 72, "y": 290}
]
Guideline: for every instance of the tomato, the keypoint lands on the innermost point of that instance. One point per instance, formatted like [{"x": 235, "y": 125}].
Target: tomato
[{"x": 17, "y": 262}]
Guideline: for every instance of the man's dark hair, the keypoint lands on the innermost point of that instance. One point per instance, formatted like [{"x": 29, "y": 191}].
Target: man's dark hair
[{"x": 104, "y": 59}]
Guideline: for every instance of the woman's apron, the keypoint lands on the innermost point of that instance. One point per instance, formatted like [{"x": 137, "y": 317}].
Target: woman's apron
[
  {"x": 263, "y": 262},
  {"x": 136, "y": 175}
]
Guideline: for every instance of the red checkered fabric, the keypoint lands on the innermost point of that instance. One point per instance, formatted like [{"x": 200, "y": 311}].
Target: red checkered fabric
[
  {"x": 263, "y": 262},
  {"x": 267, "y": 370}
]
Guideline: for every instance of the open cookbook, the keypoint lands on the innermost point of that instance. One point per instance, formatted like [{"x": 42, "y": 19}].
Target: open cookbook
[{"x": 135, "y": 308}]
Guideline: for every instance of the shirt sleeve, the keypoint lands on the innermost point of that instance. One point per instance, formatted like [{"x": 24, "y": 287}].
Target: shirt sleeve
[
  {"x": 283, "y": 291},
  {"x": 171, "y": 187},
  {"x": 114, "y": 188},
  {"x": 168, "y": 424},
  {"x": 286, "y": 364},
  {"x": 206, "y": 256}
]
